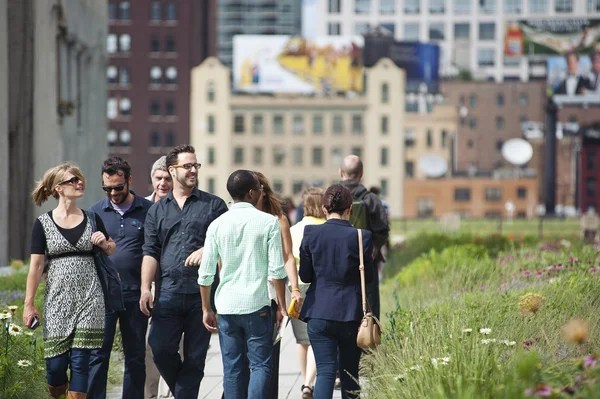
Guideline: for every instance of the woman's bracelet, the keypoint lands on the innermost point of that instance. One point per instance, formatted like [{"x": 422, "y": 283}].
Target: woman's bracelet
[{"x": 295, "y": 289}]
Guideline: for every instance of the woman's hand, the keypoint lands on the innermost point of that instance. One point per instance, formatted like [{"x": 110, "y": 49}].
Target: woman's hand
[
  {"x": 299, "y": 300},
  {"x": 99, "y": 240},
  {"x": 28, "y": 313}
]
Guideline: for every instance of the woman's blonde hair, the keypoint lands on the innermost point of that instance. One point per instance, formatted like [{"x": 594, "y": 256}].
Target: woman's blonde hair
[
  {"x": 312, "y": 202},
  {"x": 272, "y": 203},
  {"x": 52, "y": 178}
]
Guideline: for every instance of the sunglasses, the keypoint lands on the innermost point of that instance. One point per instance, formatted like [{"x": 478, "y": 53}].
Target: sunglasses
[
  {"x": 109, "y": 189},
  {"x": 188, "y": 166},
  {"x": 261, "y": 188},
  {"x": 72, "y": 180}
]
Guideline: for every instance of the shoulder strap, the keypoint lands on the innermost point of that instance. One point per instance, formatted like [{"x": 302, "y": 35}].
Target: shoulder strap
[
  {"x": 361, "y": 196},
  {"x": 361, "y": 267}
]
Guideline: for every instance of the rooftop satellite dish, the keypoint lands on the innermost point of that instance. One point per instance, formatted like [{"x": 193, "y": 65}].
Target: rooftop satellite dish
[
  {"x": 433, "y": 165},
  {"x": 517, "y": 151}
]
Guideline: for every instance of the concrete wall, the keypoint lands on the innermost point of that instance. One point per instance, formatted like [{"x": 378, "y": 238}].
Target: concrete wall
[{"x": 3, "y": 132}]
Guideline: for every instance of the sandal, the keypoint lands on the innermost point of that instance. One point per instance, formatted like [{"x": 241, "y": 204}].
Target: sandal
[{"x": 308, "y": 394}]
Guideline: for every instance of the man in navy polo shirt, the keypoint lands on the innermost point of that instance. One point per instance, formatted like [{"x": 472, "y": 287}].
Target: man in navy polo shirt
[{"x": 124, "y": 214}]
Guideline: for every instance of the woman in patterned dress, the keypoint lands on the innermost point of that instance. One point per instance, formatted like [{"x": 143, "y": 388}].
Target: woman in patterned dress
[{"x": 73, "y": 321}]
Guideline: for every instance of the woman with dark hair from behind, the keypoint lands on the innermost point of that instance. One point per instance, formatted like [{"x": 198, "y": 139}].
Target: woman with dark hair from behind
[{"x": 329, "y": 261}]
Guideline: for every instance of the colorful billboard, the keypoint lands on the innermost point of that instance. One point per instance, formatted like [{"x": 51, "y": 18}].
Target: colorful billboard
[
  {"x": 278, "y": 64},
  {"x": 421, "y": 61},
  {"x": 547, "y": 37},
  {"x": 574, "y": 75}
]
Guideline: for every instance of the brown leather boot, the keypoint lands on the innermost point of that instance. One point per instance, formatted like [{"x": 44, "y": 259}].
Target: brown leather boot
[
  {"x": 57, "y": 392},
  {"x": 76, "y": 395}
]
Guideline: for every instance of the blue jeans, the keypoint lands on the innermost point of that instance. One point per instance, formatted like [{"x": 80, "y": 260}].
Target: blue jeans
[
  {"x": 133, "y": 324},
  {"x": 173, "y": 315},
  {"x": 253, "y": 331},
  {"x": 56, "y": 369},
  {"x": 328, "y": 338}
]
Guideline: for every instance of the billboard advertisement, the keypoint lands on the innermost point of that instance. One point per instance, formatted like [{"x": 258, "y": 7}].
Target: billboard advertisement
[
  {"x": 574, "y": 75},
  {"x": 421, "y": 61},
  {"x": 280, "y": 63},
  {"x": 547, "y": 37}
]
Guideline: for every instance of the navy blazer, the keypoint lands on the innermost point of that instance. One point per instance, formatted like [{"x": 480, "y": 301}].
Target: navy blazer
[{"x": 329, "y": 260}]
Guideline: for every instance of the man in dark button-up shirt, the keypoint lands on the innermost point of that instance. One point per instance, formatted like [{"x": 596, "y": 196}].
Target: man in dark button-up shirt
[
  {"x": 123, "y": 214},
  {"x": 174, "y": 238}
]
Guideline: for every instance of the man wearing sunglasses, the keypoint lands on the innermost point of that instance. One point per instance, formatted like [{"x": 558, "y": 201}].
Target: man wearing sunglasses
[
  {"x": 174, "y": 239},
  {"x": 124, "y": 214}
]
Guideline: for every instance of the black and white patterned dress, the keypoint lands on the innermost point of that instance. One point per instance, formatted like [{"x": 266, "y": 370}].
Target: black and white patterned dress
[{"x": 73, "y": 302}]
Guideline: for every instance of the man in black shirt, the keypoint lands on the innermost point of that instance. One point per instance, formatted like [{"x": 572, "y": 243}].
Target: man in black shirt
[{"x": 174, "y": 238}]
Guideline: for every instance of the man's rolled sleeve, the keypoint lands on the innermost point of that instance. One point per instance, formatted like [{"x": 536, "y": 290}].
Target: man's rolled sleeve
[
  {"x": 275, "y": 251},
  {"x": 152, "y": 244},
  {"x": 210, "y": 257}
]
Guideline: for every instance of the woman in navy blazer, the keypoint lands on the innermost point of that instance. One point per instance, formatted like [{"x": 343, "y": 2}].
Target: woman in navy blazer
[{"x": 329, "y": 259}]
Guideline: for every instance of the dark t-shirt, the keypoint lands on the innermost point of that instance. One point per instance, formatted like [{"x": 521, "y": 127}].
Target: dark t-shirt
[{"x": 38, "y": 237}]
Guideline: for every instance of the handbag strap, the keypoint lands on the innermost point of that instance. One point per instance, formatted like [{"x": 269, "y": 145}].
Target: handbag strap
[{"x": 361, "y": 267}]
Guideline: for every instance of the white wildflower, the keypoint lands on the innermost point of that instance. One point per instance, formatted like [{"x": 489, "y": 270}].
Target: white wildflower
[
  {"x": 485, "y": 341},
  {"x": 485, "y": 331},
  {"x": 434, "y": 361},
  {"x": 445, "y": 359},
  {"x": 14, "y": 330},
  {"x": 5, "y": 316},
  {"x": 467, "y": 330},
  {"x": 23, "y": 363},
  {"x": 415, "y": 368}
]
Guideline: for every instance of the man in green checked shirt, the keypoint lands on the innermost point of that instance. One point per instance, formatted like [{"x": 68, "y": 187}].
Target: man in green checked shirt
[{"x": 248, "y": 242}]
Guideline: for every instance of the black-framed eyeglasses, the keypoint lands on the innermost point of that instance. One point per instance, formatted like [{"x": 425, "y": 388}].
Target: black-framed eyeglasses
[
  {"x": 118, "y": 187},
  {"x": 72, "y": 180},
  {"x": 261, "y": 188},
  {"x": 188, "y": 166}
]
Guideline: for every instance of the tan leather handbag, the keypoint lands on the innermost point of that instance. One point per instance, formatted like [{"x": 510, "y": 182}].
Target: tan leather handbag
[{"x": 369, "y": 331}]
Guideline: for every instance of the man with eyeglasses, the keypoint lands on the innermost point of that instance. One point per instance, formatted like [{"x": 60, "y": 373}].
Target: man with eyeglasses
[
  {"x": 124, "y": 214},
  {"x": 174, "y": 239}
]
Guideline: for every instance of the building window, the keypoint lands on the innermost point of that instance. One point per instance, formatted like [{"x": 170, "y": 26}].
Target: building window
[
  {"x": 317, "y": 156},
  {"x": 383, "y": 183},
  {"x": 493, "y": 194},
  {"x": 412, "y": 6},
  {"x": 472, "y": 100},
  {"x": 112, "y": 10},
  {"x": 124, "y": 138},
  {"x": 512, "y": 6},
  {"x": 124, "y": 76},
  {"x": 155, "y": 75},
  {"x": 470, "y": 143},
  {"x": 424, "y": 207},
  {"x": 333, "y": 29},
  {"x": 278, "y": 186},
  {"x": 462, "y": 194},
  {"x": 361, "y": 28},
  {"x": 409, "y": 138},
  {"x": 278, "y": 155},
  {"x": 297, "y": 156},
  {"x": 462, "y": 6},
  {"x": 124, "y": 11},
  {"x": 112, "y": 74},
  {"x": 356, "y": 151},
  {"x": 238, "y": 124},
  {"x": 409, "y": 169},
  {"x": 590, "y": 161},
  {"x": 357, "y": 124},
  {"x": 444, "y": 139},
  {"x": 278, "y": 125},
  {"x": 211, "y": 124},
  {"x": 154, "y": 44},
  {"x": 154, "y": 108},
  {"x": 338, "y": 125},
  {"x": 462, "y": 31},
  {"x": 384, "y": 159},
  {"x": 317, "y": 124},
  {"x": 487, "y": 6},
  {"x": 437, "y": 6},
  {"x": 499, "y": 123},
  {"x": 411, "y": 31},
  {"x": 337, "y": 156},
  {"x": 111, "y": 43},
  {"x": 485, "y": 57},
  {"x": 429, "y": 139},
  {"x": 210, "y": 92},
  {"x": 171, "y": 13},
  {"x": 436, "y": 31},
  {"x": 385, "y": 125},
  {"x": 211, "y": 155},
  {"x": 124, "y": 43},
  {"x": 154, "y": 139},
  {"x": 487, "y": 31},
  {"x": 297, "y": 186},
  {"x": 211, "y": 185},
  {"x": 538, "y": 6},
  {"x": 238, "y": 155},
  {"x": 385, "y": 93},
  {"x": 387, "y": 7},
  {"x": 500, "y": 99},
  {"x": 257, "y": 156},
  {"x": 155, "y": 11},
  {"x": 563, "y": 5},
  {"x": 170, "y": 139},
  {"x": 390, "y": 27},
  {"x": 473, "y": 123},
  {"x": 171, "y": 75},
  {"x": 521, "y": 192},
  {"x": 257, "y": 124},
  {"x": 590, "y": 187},
  {"x": 125, "y": 106},
  {"x": 298, "y": 124},
  {"x": 334, "y": 6},
  {"x": 362, "y": 6},
  {"x": 593, "y": 6},
  {"x": 170, "y": 44},
  {"x": 170, "y": 108}
]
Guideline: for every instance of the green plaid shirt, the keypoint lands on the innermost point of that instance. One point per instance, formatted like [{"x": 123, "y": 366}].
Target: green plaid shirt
[{"x": 248, "y": 242}]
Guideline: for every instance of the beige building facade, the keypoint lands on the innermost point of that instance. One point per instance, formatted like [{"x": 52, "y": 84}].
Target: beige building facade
[{"x": 296, "y": 140}]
